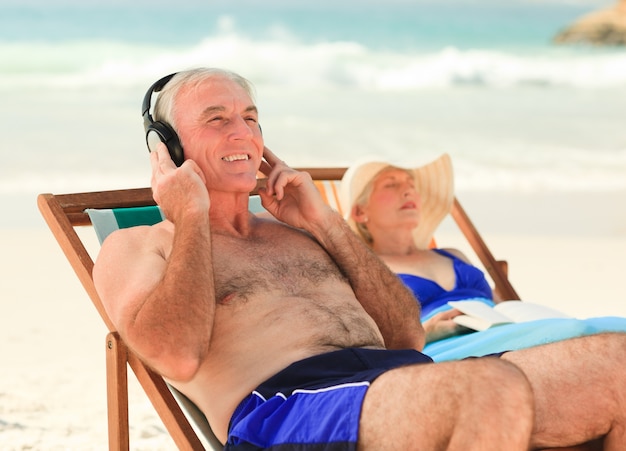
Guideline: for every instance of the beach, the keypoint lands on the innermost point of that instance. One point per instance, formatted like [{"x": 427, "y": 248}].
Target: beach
[{"x": 535, "y": 133}]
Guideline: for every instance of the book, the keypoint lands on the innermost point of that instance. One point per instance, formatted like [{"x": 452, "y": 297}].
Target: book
[{"x": 480, "y": 316}]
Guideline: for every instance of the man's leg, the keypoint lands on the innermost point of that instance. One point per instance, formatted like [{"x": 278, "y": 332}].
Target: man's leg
[
  {"x": 580, "y": 390},
  {"x": 478, "y": 404}
]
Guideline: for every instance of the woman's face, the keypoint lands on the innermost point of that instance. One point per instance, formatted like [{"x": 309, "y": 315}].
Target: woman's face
[{"x": 393, "y": 201}]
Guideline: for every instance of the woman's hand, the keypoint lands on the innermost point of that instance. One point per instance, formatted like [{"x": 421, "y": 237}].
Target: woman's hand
[{"x": 442, "y": 326}]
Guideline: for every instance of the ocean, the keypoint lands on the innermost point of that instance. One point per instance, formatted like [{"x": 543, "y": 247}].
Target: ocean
[{"x": 336, "y": 81}]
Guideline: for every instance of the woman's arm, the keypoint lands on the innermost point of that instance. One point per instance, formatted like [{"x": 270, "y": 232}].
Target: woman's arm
[{"x": 441, "y": 325}]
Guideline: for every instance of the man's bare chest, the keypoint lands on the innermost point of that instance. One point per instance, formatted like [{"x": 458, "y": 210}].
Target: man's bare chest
[{"x": 291, "y": 265}]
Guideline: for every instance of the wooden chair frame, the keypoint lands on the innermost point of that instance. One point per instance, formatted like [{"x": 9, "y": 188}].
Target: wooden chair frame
[{"x": 64, "y": 212}]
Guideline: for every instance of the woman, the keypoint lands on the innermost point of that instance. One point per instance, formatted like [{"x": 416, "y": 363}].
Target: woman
[{"x": 394, "y": 211}]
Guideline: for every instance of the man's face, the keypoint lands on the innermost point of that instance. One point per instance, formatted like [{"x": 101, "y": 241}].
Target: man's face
[{"x": 218, "y": 126}]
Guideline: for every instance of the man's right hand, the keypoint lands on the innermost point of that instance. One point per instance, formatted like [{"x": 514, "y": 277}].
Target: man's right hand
[{"x": 177, "y": 190}]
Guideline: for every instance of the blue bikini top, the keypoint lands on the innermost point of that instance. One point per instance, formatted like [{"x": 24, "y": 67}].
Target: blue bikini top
[{"x": 470, "y": 283}]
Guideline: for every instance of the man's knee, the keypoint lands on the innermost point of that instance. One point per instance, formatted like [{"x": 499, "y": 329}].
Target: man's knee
[
  {"x": 498, "y": 402},
  {"x": 499, "y": 381}
]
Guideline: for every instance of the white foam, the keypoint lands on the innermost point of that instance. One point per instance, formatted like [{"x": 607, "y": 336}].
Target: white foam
[{"x": 281, "y": 59}]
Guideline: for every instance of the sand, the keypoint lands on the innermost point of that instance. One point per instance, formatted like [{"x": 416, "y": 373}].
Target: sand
[{"x": 52, "y": 387}]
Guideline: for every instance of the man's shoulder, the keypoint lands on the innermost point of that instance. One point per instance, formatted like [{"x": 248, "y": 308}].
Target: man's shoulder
[
  {"x": 141, "y": 235},
  {"x": 134, "y": 244}
]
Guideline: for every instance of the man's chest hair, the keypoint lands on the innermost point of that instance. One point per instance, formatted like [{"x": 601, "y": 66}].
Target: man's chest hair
[{"x": 290, "y": 262}]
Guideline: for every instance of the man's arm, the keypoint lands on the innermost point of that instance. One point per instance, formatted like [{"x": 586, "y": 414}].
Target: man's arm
[
  {"x": 292, "y": 197},
  {"x": 157, "y": 282},
  {"x": 380, "y": 291}
]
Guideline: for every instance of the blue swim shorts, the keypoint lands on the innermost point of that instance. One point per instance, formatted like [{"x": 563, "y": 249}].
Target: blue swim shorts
[{"x": 313, "y": 404}]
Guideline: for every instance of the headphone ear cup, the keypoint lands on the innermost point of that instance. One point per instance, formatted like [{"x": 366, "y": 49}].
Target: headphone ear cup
[{"x": 161, "y": 132}]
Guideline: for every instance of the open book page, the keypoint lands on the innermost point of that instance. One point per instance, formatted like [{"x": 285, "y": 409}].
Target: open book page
[
  {"x": 527, "y": 311},
  {"x": 480, "y": 316}
]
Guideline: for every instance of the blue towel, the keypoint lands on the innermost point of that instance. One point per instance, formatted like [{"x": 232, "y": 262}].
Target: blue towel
[{"x": 519, "y": 336}]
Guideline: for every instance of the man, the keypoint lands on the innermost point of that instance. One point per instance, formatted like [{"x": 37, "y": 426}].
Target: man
[{"x": 285, "y": 332}]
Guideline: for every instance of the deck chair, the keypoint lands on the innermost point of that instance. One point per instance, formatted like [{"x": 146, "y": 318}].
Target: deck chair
[{"x": 66, "y": 213}]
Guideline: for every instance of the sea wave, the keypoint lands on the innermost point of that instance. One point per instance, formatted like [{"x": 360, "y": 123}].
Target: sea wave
[{"x": 283, "y": 60}]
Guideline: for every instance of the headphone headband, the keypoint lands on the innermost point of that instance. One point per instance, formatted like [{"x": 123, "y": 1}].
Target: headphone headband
[{"x": 147, "y": 99}]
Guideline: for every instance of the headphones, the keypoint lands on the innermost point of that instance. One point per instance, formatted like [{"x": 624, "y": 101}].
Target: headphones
[{"x": 159, "y": 131}]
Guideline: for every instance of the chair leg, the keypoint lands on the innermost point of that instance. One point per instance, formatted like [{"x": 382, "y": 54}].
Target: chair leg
[
  {"x": 118, "y": 360},
  {"x": 117, "y": 393}
]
